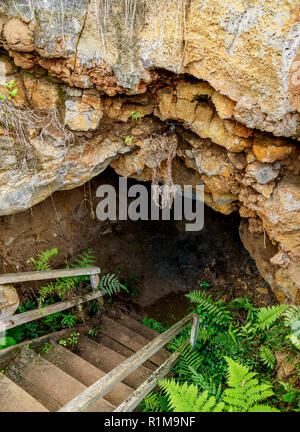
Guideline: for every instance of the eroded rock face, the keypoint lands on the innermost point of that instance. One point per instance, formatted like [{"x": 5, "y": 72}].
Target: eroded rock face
[
  {"x": 233, "y": 105},
  {"x": 9, "y": 302}
]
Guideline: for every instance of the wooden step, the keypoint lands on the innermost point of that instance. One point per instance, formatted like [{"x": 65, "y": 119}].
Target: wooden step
[
  {"x": 85, "y": 372},
  {"x": 130, "y": 339},
  {"x": 51, "y": 386},
  {"x": 106, "y": 359},
  {"x": 14, "y": 399},
  {"x": 137, "y": 326},
  {"x": 121, "y": 349}
]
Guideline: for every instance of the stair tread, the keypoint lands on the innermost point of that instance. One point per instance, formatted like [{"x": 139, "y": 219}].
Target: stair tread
[
  {"x": 85, "y": 372},
  {"x": 106, "y": 359},
  {"x": 47, "y": 383},
  {"x": 121, "y": 349},
  {"x": 137, "y": 326},
  {"x": 14, "y": 399},
  {"x": 130, "y": 339}
]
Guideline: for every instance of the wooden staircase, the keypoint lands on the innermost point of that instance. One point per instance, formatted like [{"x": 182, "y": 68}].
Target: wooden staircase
[
  {"x": 113, "y": 373},
  {"x": 48, "y": 381}
]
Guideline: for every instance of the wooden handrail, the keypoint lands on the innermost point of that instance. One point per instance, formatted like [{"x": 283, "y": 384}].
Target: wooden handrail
[
  {"x": 9, "y": 278},
  {"x": 99, "y": 389},
  {"x": 18, "y": 319},
  {"x": 32, "y": 315},
  {"x": 141, "y": 392}
]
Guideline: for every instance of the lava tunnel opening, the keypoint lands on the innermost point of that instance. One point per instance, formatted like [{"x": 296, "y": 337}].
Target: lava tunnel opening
[{"x": 160, "y": 258}]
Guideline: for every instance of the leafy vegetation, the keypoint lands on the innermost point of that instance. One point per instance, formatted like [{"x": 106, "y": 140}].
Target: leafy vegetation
[
  {"x": 47, "y": 296},
  {"x": 233, "y": 365},
  {"x": 135, "y": 115},
  {"x": 242, "y": 394},
  {"x": 12, "y": 90},
  {"x": 110, "y": 284},
  {"x": 61, "y": 288},
  {"x": 71, "y": 341}
]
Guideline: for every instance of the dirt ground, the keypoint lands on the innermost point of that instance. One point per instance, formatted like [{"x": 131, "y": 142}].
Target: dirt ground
[{"x": 166, "y": 260}]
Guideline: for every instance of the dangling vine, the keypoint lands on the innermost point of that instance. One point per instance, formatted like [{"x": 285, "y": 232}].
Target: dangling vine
[{"x": 161, "y": 145}]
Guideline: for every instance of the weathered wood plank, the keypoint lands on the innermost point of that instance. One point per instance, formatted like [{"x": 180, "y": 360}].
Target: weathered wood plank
[
  {"x": 138, "y": 395},
  {"x": 49, "y": 274},
  {"x": 95, "y": 281},
  {"x": 10, "y": 352},
  {"x": 194, "y": 331},
  {"x": 96, "y": 391},
  {"x": 35, "y": 314}
]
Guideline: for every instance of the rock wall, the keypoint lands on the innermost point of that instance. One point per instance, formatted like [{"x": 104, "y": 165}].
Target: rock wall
[{"x": 224, "y": 76}]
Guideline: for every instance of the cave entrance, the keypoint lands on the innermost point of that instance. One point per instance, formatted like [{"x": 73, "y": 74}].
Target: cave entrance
[
  {"x": 168, "y": 261},
  {"x": 165, "y": 260}
]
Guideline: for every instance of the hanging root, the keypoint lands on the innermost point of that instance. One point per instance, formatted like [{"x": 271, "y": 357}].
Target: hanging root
[
  {"x": 162, "y": 144},
  {"x": 20, "y": 124}
]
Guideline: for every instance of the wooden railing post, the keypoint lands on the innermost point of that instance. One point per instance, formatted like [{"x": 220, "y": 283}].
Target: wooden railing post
[
  {"x": 95, "y": 281},
  {"x": 194, "y": 331},
  {"x": 9, "y": 303}
]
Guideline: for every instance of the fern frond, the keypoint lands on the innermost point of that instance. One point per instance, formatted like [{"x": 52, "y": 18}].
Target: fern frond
[
  {"x": 203, "y": 335},
  {"x": 188, "y": 362},
  {"x": 291, "y": 315},
  {"x": 156, "y": 402},
  {"x": 262, "y": 408},
  {"x": 267, "y": 356},
  {"x": 44, "y": 293},
  {"x": 244, "y": 303},
  {"x": 42, "y": 263},
  {"x": 205, "y": 383},
  {"x": 64, "y": 285},
  {"x": 217, "y": 311},
  {"x": 84, "y": 260},
  {"x": 110, "y": 284},
  {"x": 245, "y": 391},
  {"x": 186, "y": 398},
  {"x": 268, "y": 315}
]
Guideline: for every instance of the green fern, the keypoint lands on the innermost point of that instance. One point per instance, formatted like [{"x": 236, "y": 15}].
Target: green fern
[
  {"x": 206, "y": 384},
  {"x": 245, "y": 392},
  {"x": 64, "y": 285},
  {"x": 262, "y": 408},
  {"x": 84, "y": 260},
  {"x": 244, "y": 303},
  {"x": 188, "y": 362},
  {"x": 268, "y": 315},
  {"x": 44, "y": 293},
  {"x": 110, "y": 284},
  {"x": 218, "y": 313},
  {"x": 203, "y": 335},
  {"x": 267, "y": 356},
  {"x": 155, "y": 402},
  {"x": 186, "y": 397},
  {"x": 42, "y": 263},
  {"x": 291, "y": 315}
]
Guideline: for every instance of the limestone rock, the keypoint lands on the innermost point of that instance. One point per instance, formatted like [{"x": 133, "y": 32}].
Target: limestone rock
[
  {"x": 262, "y": 173},
  {"x": 42, "y": 94},
  {"x": 229, "y": 58},
  {"x": 83, "y": 113},
  {"x": 7, "y": 67},
  {"x": 9, "y": 302},
  {"x": 268, "y": 150},
  {"x": 213, "y": 71},
  {"x": 284, "y": 367},
  {"x": 224, "y": 105},
  {"x": 18, "y": 35},
  {"x": 220, "y": 134}
]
